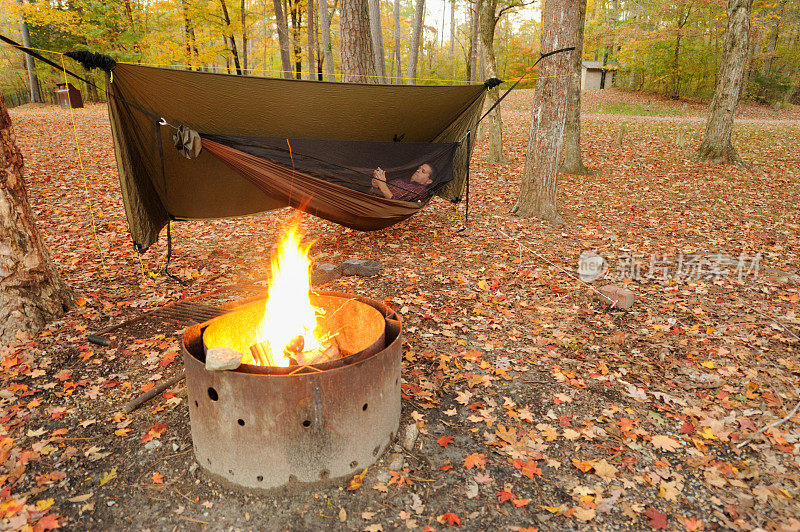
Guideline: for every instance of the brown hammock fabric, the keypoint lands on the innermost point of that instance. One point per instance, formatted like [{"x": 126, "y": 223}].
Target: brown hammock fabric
[
  {"x": 159, "y": 184},
  {"x": 330, "y": 201}
]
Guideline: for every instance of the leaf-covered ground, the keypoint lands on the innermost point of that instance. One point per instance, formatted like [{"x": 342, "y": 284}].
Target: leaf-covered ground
[{"x": 537, "y": 407}]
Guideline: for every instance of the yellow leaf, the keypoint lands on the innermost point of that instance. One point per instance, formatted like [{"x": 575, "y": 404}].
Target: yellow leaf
[
  {"x": 44, "y": 504},
  {"x": 708, "y": 364},
  {"x": 108, "y": 477}
]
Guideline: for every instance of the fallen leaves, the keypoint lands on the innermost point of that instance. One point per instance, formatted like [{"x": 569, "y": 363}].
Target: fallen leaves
[
  {"x": 665, "y": 443},
  {"x": 475, "y": 460}
]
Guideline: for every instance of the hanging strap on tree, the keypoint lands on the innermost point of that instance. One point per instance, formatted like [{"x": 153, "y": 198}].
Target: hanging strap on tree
[{"x": 494, "y": 82}]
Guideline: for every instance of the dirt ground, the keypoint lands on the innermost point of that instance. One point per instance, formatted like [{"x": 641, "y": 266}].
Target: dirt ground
[{"x": 537, "y": 408}]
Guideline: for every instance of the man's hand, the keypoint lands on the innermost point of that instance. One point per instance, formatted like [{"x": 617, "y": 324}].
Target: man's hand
[{"x": 379, "y": 182}]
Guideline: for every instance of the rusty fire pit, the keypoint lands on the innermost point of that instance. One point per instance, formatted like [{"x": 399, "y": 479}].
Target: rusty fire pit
[{"x": 267, "y": 427}]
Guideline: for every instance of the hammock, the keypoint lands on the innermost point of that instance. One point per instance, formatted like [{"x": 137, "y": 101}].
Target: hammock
[{"x": 270, "y": 143}]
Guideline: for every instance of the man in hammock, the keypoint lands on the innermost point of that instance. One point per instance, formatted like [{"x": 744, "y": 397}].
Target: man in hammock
[{"x": 414, "y": 188}]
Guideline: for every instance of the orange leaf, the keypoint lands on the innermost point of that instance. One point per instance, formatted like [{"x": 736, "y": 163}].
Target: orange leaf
[
  {"x": 47, "y": 522},
  {"x": 158, "y": 478},
  {"x": 356, "y": 481},
  {"x": 475, "y": 460},
  {"x": 167, "y": 359},
  {"x": 147, "y": 387},
  {"x": 518, "y": 503},
  {"x": 449, "y": 519},
  {"x": 444, "y": 440}
]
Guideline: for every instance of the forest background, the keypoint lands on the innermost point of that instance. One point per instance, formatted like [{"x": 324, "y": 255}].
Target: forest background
[{"x": 669, "y": 47}]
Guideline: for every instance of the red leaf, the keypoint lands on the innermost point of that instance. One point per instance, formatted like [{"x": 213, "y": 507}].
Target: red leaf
[
  {"x": 504, "y": 496},
  {"x": 687, "y": 428},
  {"x": 658, "y": 520},
  {"x": 47, "y": 522},
  {"x": 444, "y": 440},
  {"x": 449, "y": 519}
]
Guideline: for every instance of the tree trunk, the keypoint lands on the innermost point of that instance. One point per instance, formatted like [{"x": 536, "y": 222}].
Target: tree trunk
[
  {"x": 312, "y": 37},
  {"x": 716, "y": 145},
  {"x": 30, "y": 63},
  {"x": 377, "y": 38},
  {"x": 296, "y": 17},
  {"x": 494, "y": 124},
  {"x": 327, "y": 50},
  {"x": 537, "y": 195},
  {"x": 230, "y": 38},
  {"x": 472, "y": 60},
  {"x": 283, "y": 39},
  {"x": 31, "y": 292},
  {"x": 358, "y": 59},
  {"x": 398, "y": 72},
  {"x": 773, "y": 42},
  {"x": 453, "y": 37},
  {"x": 413, "y": 51},
  {"x": 244, "y": 37},
  {"x": 573, "y": 163}
]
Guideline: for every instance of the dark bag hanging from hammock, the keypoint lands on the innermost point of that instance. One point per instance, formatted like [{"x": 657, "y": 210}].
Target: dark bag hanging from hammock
[{"x": 258, "y": 144}]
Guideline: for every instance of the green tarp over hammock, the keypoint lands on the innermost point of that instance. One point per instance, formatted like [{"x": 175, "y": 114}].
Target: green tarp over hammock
[{"x": 158, "y": 183}]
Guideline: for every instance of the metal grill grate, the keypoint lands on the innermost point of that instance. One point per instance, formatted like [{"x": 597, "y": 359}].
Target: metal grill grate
[{"x": 188, "y": 312}]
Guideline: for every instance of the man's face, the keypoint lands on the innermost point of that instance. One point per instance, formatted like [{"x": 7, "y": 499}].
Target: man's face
[{"x": 423, "y": 175}]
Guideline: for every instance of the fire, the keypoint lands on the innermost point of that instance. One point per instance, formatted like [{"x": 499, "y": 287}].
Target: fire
[{"x": 288, "y": 328}]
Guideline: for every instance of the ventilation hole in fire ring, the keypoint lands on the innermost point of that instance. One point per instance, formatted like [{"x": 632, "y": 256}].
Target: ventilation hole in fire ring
[
  {"x": 324, "y": 474},
  {"x": 196, "y": 404},
  {"x": 397, "y": 381},
  {"x": 307, "y": 423},
  {"x": 212, "y": 393},
  {"x": 260, "y": 478},
  {"x": 292, "y": 479},
  {"x": 353, "y": 464},
  {"x": 230, "y": 472},
  {"x": 375, "y": 450},
  {"x": 364, "y": 407},
  {"x": 240, "y": 422},
  {"x": 208, "y": 460}
]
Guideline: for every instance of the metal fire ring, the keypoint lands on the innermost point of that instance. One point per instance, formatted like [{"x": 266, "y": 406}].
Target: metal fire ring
[{"x": 268, "y": 430}]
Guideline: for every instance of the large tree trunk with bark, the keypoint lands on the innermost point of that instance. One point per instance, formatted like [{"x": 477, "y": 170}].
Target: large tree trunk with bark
[
  {"x": 325, "y": 29},
  {"x": 189, "y": 36},
  {"x": 537, "y": 195},
  {"x": 283, "y": 39},
  {"x": 31, "y": 292},
  {"x": 413, "y": 51},
  {"x": 358, "y": 59},
  {"x": 398, "y": 71},
  {"x": 494, "y": 125},
  {"x": 377, "y": 38},
  {"x": 716, "y": 145},
  {"x": 573, "y": 162},
  {"x": 30, "y": 64}
]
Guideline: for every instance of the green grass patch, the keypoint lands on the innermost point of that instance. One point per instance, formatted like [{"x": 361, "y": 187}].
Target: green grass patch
[{"x": 622, "y": 108}]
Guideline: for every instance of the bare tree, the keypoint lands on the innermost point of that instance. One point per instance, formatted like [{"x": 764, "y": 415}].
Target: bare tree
[
  {"x": 413, "y": 52},
  {"x": 327, "y": 49},
  {"x": 312, "y": 37},
  {"x": 540, "y": 177},
  {"x": 244, "y": 35},
  {"x": 472, "y": 56},
  {"x": 229, "y": 38},
  {"x": 283, "y": 39},
  {"x": 30, "y": 64},
  {"x": 398, "y": 72},
  {"x": 716, "y": 145},
  {"x": 377, "y": 37},
  {"x": 189, "y": 36},
  {"x": 573, "y": 163},
  {"x": 31, "y": 292},
  {"x": 358, "y": 59}
]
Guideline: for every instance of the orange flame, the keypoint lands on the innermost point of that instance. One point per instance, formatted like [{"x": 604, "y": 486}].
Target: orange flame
[{"x": 288, "y": 312}]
